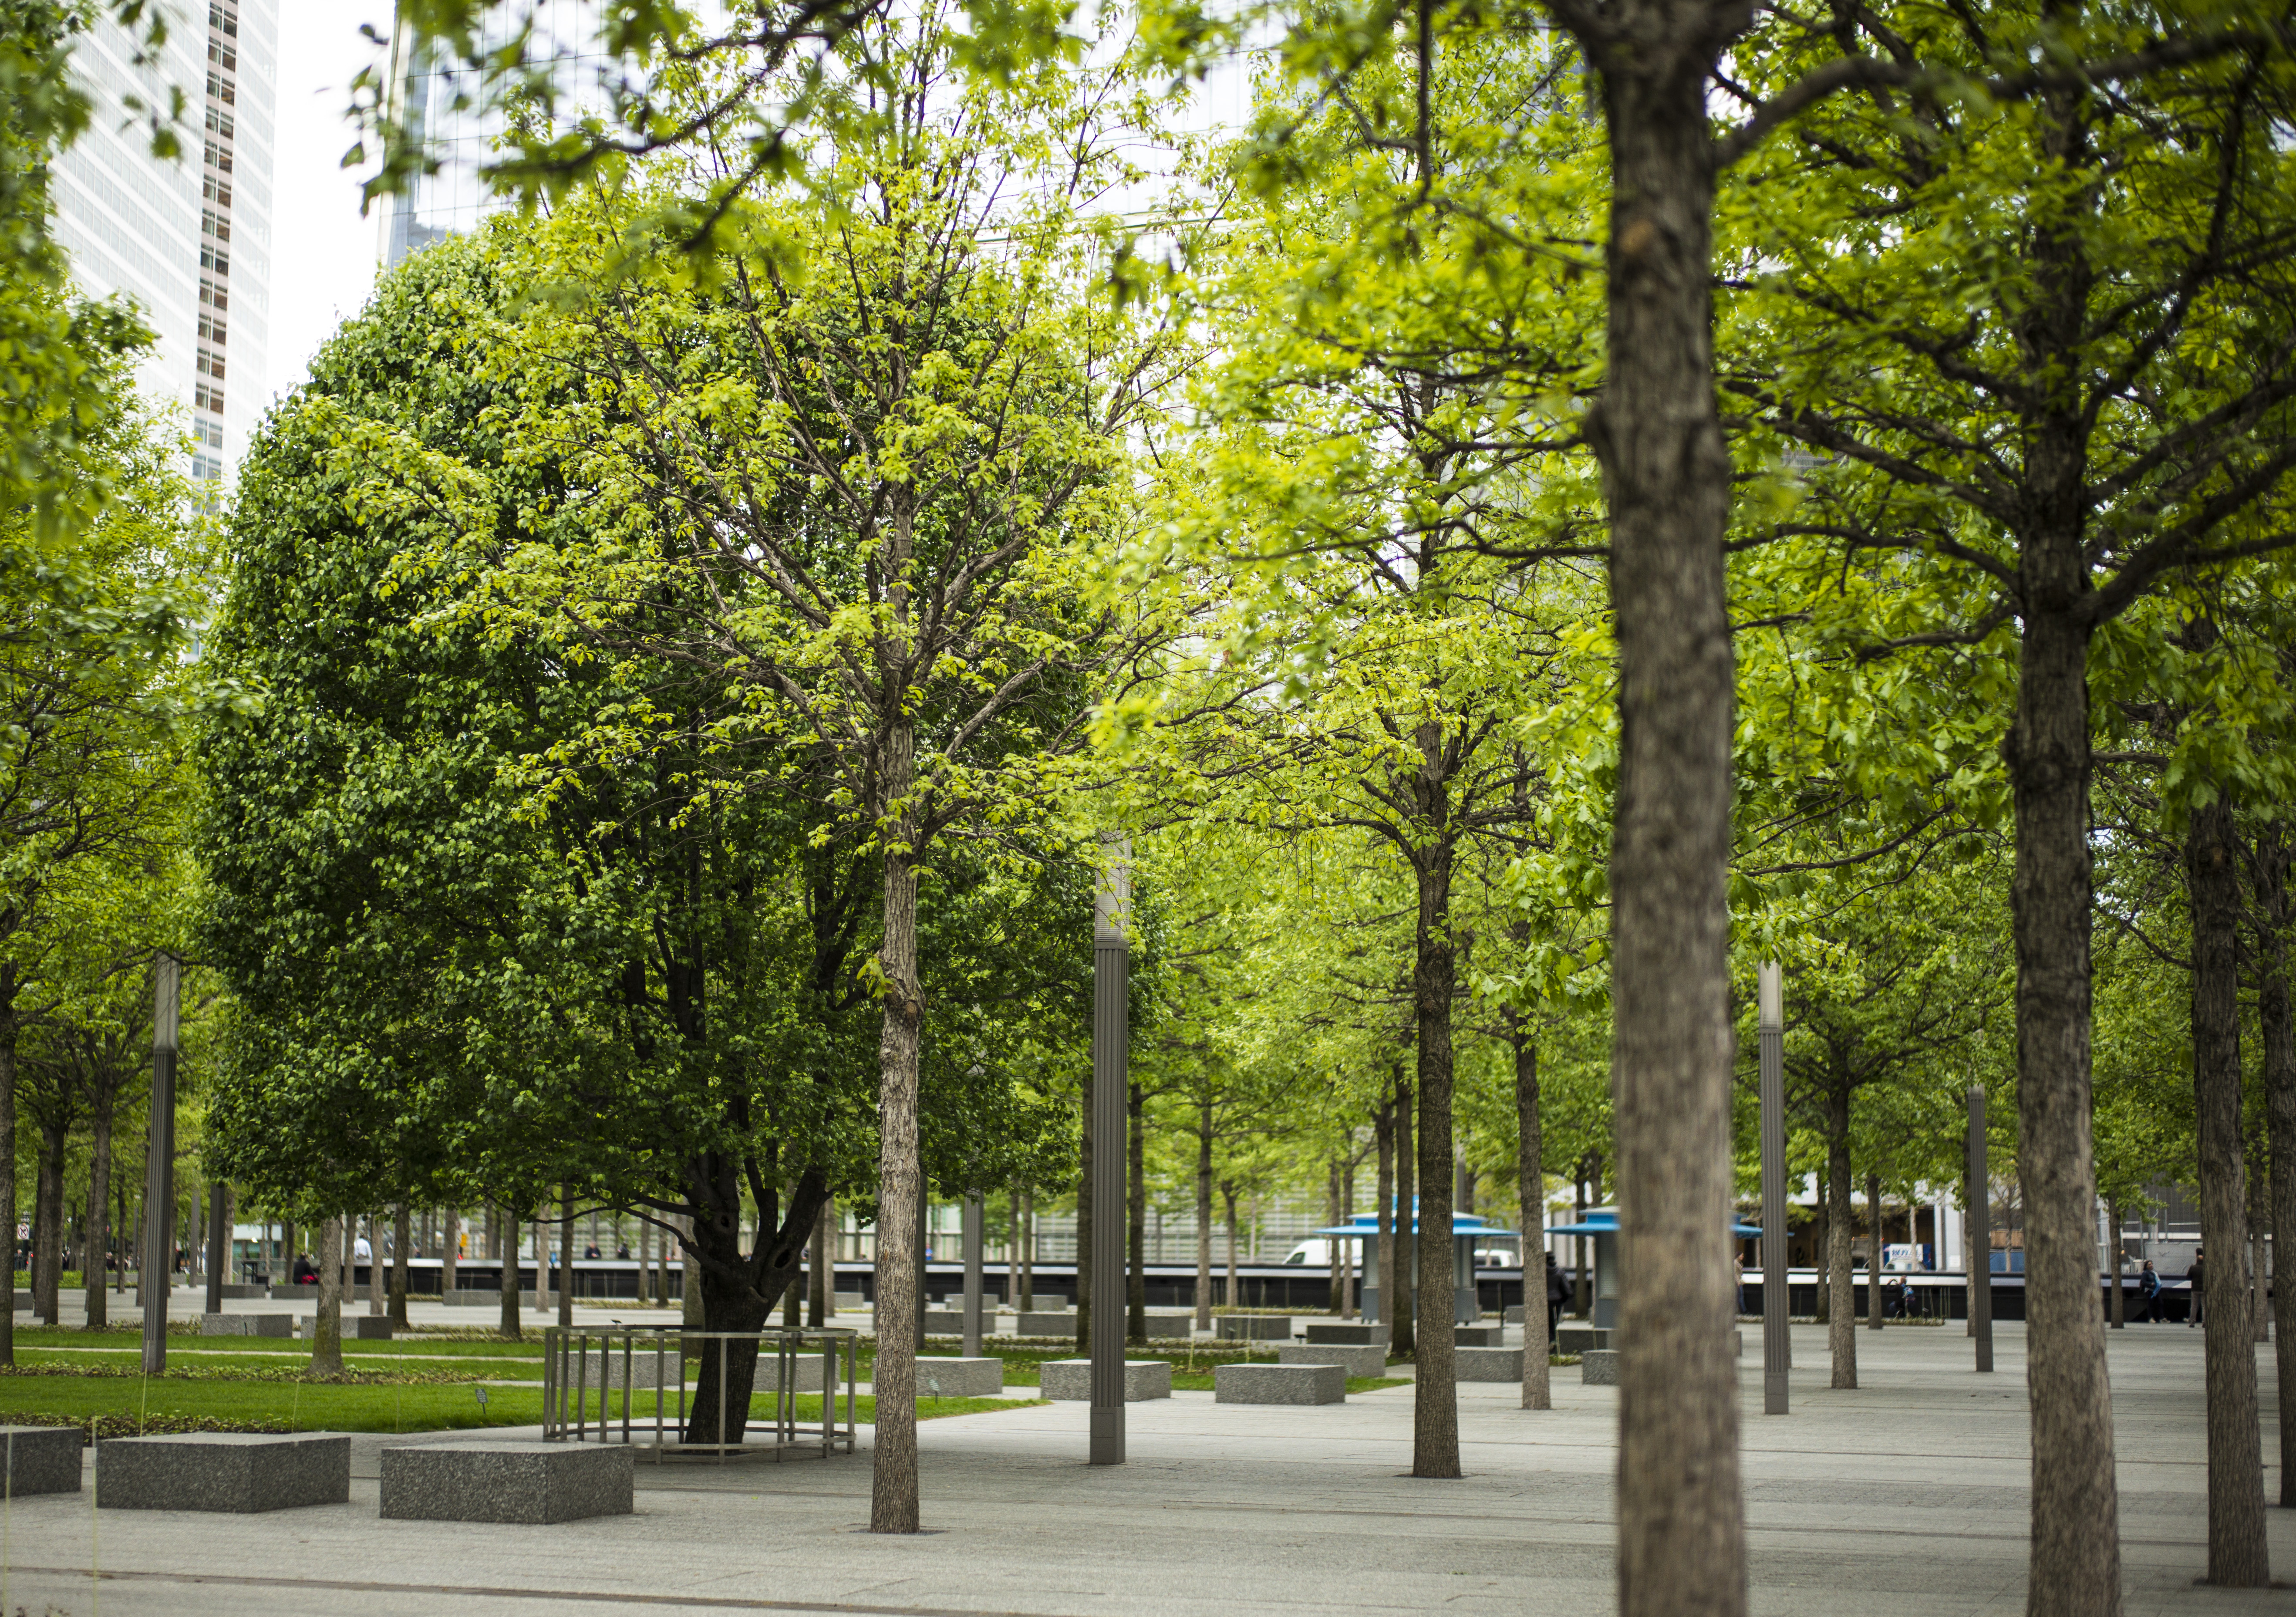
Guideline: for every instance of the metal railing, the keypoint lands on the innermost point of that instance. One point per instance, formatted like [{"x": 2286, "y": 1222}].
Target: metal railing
[{"x": 588, "y": 1371}]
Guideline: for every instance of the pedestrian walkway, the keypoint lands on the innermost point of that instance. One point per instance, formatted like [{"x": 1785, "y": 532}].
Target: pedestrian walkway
[{"x": 1909, "y": 1496}]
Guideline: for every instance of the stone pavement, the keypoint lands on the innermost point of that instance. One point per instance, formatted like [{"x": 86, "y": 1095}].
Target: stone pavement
[{"x": 1909, "y": 1496}]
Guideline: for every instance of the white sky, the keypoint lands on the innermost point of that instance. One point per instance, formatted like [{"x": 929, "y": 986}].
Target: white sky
[{"x": 323, "y": 252}]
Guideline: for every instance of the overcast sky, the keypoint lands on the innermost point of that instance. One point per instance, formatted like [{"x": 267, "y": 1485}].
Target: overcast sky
[{"x": 323, "y": 252}]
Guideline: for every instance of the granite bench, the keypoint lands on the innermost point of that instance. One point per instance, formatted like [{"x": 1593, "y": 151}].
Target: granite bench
[
  {"x": 238, "y": 1473},
  {"x": 247, "y": 1325},
  {"x": 1488, "y": 1363},
  {"x": 1069, "y": 1379},
  {"x": 944, "y": 1377},
  {"x": 1041, "y": 1323},
  {"x": 531, "y": 1484},
  {"x": 39, "y": 1459},
  {"x": 1279, "y": 1384},
  {"x": 1254, "y": 1327},
  {"x": 645, "y": 1369},
  {"x": 1359, "y": 1333},
  {"x": 1368, "y": 1360},
  {"x": 1577, "y": 1336},
  {"x": 1477, "y": 1336},
  {"x": 1599, "y": 1367},
  {"x": 366, "y": 1328}
]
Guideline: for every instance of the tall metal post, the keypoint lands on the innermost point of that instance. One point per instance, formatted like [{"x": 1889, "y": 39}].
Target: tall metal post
[
  {"x": 1777, "y": 1344},
  {"x": 1980, "y": 1233},
  {"x": 159, "y": 1169},
  {"x": 972, "y": 1274},
  {"x": 1112, "y": 969}
]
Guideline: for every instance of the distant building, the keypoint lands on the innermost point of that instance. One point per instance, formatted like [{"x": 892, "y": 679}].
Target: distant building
[
  {"x": 429, "y": 85},
  {"x": 189, "y": 240}
]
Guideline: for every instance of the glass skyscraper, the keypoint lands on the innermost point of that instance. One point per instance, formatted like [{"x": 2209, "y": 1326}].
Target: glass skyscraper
[
  {"x": 429, "y": 83},
  {"x": 189, "y": 240}
]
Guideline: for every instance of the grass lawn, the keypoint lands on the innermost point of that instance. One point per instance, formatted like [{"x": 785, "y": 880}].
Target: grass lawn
[{"x": 319, "y": 1406}]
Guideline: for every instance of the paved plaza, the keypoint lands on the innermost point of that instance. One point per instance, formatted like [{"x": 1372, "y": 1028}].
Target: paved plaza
[{"x": 1909, "y": 1496}]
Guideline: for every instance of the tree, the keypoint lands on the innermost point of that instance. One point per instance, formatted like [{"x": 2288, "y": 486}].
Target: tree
[{"x": 2048, "y": 434}]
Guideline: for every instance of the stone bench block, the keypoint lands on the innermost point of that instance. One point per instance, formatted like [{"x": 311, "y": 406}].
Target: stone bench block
[
  {"x": 1574, "y": 1336},
  {"x": 40, "y": 1459},
  {"x": 1354, "y": 1333},
  {"x": 1489, "y": 1364},
  {"x": 247, "y": 1325},
  {"x": 239, "y": 1473},
  {"x": 366, "y": 1328},
  {"x": 473, "y": 1297},
  {"x": 1599, "y": 1367},
  {"x": 949, "y": 1322},
  {"x": 939, "y": 1377},
  {"x": 309, "y": 1292},
  {"x": 1069, "y": 1379},
  {"x": 853, "y": 1301},
  {"x": 240, "y": 1291},
  {"x": 535, "y": 1484},
  {"x": 1046, "y": 1324},
  {"x": 1512, "y": 1314},
  {"x": 1279, "y": 1384},
  {"x": 1370, "y": 1360},
  {"x": 1254, "y": 1327},
  {"x": 604, "y": 1368},
  {"x": 1476, "y": 1335}
]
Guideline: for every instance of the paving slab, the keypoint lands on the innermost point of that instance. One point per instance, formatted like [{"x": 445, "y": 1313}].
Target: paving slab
[{"x": 1907, "y": 1495}]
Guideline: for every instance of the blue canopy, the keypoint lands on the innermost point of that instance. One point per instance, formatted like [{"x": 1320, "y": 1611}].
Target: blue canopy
[
  {"x": 1366, "y": 1224},
  {"x": 1604, "y": 1221}
]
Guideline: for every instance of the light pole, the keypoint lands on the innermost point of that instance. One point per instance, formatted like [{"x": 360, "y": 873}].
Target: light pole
[
  {"x": 159, "y": 1175},
  {"x": 1111, "y": 968},
  {"x": 971, "y": 1242},
  {"x": 1981, "y": 1234},
  {"x": 1776, "y": 1344}
]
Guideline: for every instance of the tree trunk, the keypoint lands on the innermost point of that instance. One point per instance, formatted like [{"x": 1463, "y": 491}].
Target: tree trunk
[
  {"x": 376, "y": 1283},
  {"x": 8, "y": 1025},
  {"x": 893, "y": 1505},
  {"x": 2119, "y": 1306},
  {"x": 1227, "y": 1198},
  {"x": 1083, "y": 1234},
  {"x": 541, "y": 1263},
  {"x": 2076, "y": 1555},
  {"x": 1028, "y": 1237},
  {"x": 1821, "y": 1245},
  {"x": 449, "y": 1252},
  {"x": 1435, "y": 1392},
  {"x": 1135, "y": 1289},
  {"x": 327, "y": 1323},
  {"x": 1530, "y": 1177},
  {"x": 2237, "y": 1557},
  {"x": 821, "y": 1302},
  {"x": 48, "y": 1226},
  {"x": 1204, "y": 1215},
  {"x": 565, "y": 1258},
  {"x": 1383, "y": 1127},
  {"x": 506, "y": 1238},
  {"x": 1347, "y": 1244},
  {"x": 99, "y": 1212},
  {"x": 1666, "y": 474},
  {"x": 1582, "y": 1286},
  {"x": 1337, "y": 1305},
  {"x": 2259, "y": 1196},
  {"x": 1407, "y": 1219},
  {"x": 1842, "y": 1293},
  {"x": 2276, "y": 1020},
  {"x": 1873, "y": 1254},
  {"x": 402, "y": 1237}
]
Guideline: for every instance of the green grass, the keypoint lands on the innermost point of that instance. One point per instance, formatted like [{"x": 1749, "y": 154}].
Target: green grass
[{"x": 330, "y": 1407}]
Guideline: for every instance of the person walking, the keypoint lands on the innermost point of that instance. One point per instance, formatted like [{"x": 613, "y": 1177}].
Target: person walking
[
  {"x": 2148, "y": 1294},
  {"x": 1556, "y": 1292},
  {"x": 2195, "y": 1276}
]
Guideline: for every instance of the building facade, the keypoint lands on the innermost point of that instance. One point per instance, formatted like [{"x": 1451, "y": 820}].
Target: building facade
[{"x": 188, "y": 241}]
